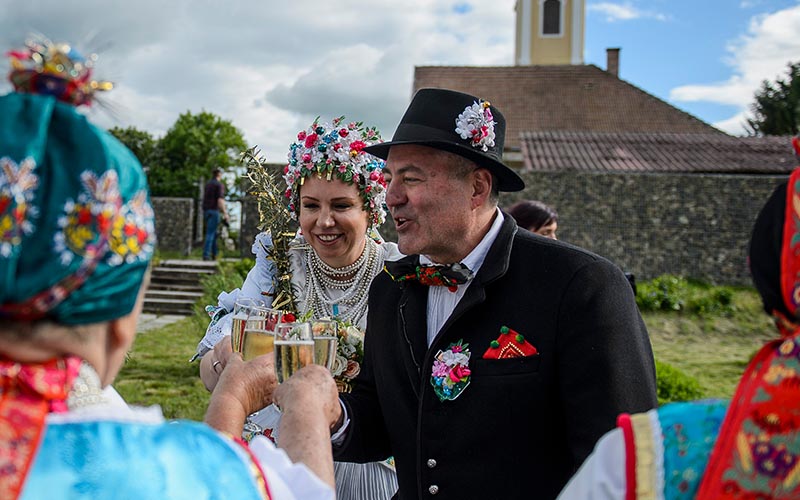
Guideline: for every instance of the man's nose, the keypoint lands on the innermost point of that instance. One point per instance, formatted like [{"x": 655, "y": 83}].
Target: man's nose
[{"x": 395, "y": 195}]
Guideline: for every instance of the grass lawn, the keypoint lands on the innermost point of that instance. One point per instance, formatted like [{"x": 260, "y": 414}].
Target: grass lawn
[
  {"x": 712, "y": 348},
  {"x": 158, "y": 371}
]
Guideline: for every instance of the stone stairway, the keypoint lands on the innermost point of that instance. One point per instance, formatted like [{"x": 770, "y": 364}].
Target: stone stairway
[{"x": 175, "y": 286}]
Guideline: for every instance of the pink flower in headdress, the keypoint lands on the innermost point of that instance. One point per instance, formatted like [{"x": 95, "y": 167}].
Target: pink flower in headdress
[
  {"x": 342, "y": 167},
  {"x": 288, "y": 193},
  {"x": 286, "y": 169},
  {"x": 301, "y": 135},
  {"x": 343, "y": 132},
  {"x": 374, "y": 176},
  {"x": 310, "y": 140},
  {"x": 357, "y": 145},
  {"x": 306, "y": 157}
]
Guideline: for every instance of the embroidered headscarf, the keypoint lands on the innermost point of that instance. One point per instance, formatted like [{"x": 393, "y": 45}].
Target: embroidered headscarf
[{"x": 76, "y": 225}]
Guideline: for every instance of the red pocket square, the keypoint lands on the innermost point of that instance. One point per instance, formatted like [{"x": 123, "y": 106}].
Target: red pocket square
[{"x": 509, "y": 344}]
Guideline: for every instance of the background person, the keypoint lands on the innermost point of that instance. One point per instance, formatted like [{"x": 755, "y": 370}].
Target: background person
[
  {"x": 213, "y": 209},
  {"x": 536, "y": 217},
  {"x": 337, "y": 193},
  {"x": 497, "y": 383},
  {"x": 76, "y": 241}
]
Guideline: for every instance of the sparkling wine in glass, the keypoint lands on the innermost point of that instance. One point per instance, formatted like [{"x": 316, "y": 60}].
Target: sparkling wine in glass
[
  {"x": 294, "y": 348},
  {"x": 325, "y": 342},
  {"x": 245, "y": 310},
  {"x": 257, "y": 341}
]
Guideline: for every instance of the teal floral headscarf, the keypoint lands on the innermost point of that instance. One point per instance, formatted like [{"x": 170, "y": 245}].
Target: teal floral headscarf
[{"x": 76, "y": 225}]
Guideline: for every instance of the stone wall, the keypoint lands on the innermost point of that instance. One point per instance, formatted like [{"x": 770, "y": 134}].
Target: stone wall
[
  {"x": 174, "y": 217},
  {"x": 692, "y": 225},
  {"x": 650, "y": 224}
]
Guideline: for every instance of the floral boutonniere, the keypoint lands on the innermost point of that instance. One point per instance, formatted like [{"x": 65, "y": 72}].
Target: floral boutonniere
[{"x": 450, "y": 374}]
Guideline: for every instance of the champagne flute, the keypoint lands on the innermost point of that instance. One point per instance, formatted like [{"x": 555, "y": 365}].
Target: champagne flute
[
  {"x": 259, "y": 332},
  {"x": 294, "y": 348},
  {"x": 325, "y": 342},
  {"x": 242, "y": 310}
]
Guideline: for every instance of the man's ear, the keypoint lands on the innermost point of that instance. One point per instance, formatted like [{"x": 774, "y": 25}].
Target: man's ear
[{"x": 481, "y": 187}]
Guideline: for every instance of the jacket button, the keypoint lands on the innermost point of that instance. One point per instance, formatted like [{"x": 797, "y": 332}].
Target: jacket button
[
  {"x": 433, "y": 489},
  {"x": 431, "y": 463}
]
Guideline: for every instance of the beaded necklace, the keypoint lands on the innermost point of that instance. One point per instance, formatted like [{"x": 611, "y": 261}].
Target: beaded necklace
[{"x": 320, "y": 278}]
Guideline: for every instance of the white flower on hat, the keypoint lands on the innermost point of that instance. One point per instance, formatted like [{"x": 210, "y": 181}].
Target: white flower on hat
[{"x": 476, "y": 124}]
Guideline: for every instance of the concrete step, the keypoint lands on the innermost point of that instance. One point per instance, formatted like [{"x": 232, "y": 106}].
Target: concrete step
[
  {"x": 157, "y": 293},
  {"x": 203, "y": 265},
  {"x": 168, "y": 306},
  {"x": 176, "y": 287}
]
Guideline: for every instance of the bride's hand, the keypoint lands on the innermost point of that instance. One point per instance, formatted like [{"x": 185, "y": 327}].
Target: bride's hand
[{"x": 214, "y": 362}]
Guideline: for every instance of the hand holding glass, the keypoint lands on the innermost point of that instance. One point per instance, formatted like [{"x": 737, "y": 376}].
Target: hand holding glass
[
  {"x": 294, "y": 348},
  {"x": 243, "y": 309}
]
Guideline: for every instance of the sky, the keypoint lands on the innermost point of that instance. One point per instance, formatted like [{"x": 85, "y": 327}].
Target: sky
[{"x": 272, "y": 67}]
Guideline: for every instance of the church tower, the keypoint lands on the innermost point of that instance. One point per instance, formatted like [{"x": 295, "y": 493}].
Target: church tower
[{"x": 549, "y": 32}]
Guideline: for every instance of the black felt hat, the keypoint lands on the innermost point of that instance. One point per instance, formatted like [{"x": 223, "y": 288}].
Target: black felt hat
[{"x": 432, "y": 119}]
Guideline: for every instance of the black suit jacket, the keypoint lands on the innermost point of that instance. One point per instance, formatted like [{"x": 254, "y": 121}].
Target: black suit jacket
[{"x": 524, "y": 425}]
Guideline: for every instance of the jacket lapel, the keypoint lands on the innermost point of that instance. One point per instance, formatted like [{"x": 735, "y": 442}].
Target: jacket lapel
[{"x": 412, "y": 324}]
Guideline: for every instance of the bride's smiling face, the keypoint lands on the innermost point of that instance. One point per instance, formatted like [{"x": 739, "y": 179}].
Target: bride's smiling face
[{"x": 333, "y": 220}]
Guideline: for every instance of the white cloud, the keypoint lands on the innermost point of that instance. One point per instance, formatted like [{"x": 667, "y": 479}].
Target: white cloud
[
  {"x": 624, "y": 12},
  {"x": 269, "y": 67},
  {"x": 763, "y": 53}
]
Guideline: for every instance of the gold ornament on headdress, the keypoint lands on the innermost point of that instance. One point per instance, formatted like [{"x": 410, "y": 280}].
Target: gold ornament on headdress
[{"x": 275, "y": 219}]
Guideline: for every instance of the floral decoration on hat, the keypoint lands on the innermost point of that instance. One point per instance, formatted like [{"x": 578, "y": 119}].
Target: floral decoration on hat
[
  {"x": 17, "y": 184},
  {"x": 56, "y": 69},
  {"x": 476, "y": 124},
  {"x": 98, "y": 221},
  {"x": 451, "y": 374},
  {"x": 338, "y": 149}
]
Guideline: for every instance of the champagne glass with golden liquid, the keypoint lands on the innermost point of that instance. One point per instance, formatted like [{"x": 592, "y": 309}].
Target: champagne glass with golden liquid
[
  {"x": 259, "y": 332},
  {"x": 294, "y": 348},
  {"x": 325, "y": 341}
]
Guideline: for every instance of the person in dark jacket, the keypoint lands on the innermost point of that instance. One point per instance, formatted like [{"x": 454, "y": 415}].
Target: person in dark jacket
[
  {"x": 495, "y": 358},
  {"x": 213, "y": 209}
]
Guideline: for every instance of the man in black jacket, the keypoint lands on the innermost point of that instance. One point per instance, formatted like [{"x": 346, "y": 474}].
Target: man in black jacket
[{"x": 498, "y": 383}]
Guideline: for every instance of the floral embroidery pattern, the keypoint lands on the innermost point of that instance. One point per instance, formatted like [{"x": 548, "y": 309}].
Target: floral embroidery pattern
[
  {"x": 761, "y": 435},
  {"x": 17, "y": 184},
  {"x": 450, "y": 275},
  {"x": 476, "y": 124},
  {"x": 451, "y": 374},
  {"x": 98, "y": 219}
]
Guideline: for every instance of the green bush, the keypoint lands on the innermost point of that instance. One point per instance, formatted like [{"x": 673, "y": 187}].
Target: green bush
[
  {"x": 230, "y": 276},
  {"x": 665, "y": 293},
  {"x": 675, "y": 385},
  {"x": 673, "y": 293}
]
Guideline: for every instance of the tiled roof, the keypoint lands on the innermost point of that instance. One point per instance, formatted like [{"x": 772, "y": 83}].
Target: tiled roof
[
  {"x": 565, "y": 98},
  {"x": 656, "y": 152}
]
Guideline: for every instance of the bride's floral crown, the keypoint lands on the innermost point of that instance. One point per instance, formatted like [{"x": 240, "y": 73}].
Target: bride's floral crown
[{"x": 338, "y": 149}]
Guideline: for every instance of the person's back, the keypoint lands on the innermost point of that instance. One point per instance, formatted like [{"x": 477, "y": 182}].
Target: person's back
[{"x": 213, "y": 210}]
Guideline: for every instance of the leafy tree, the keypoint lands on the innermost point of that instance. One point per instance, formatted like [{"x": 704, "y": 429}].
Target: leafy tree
[
  {"x": 191, "y": 149},
  {"x": 140, "y": 142},
  {"x": 776, "y": 109}
]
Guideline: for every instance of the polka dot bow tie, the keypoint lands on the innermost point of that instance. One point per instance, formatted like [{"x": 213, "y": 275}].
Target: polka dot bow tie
[{"x": 409, "y": 269}]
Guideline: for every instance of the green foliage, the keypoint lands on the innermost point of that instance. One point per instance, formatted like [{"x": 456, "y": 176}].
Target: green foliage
[
  {"x": 157, "y": 371},
  {"x": 191, "y": 149},
  {"x": 665, "y": 293},
  {"x": 141, "y": 143},
  {"x": 675, "y": 385},
  {"x": 673, "y": 293},
  {"x": 231, "y": 276},
  {"x": 776, "y": 109}
]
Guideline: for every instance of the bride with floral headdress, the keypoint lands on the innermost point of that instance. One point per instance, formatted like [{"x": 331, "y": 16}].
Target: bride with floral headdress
[{"x": 336, "y": 191}]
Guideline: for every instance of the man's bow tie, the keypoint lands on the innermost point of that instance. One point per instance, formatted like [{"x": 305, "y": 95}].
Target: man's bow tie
[{"x": 409, "y": 269}]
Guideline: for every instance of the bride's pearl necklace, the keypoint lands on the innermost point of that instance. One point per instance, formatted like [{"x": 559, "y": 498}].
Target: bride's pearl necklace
[{"x": 322, "y": 278}]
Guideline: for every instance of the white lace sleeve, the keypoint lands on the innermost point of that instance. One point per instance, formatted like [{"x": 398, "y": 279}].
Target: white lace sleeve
[{"x": 257, "y": 285}]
